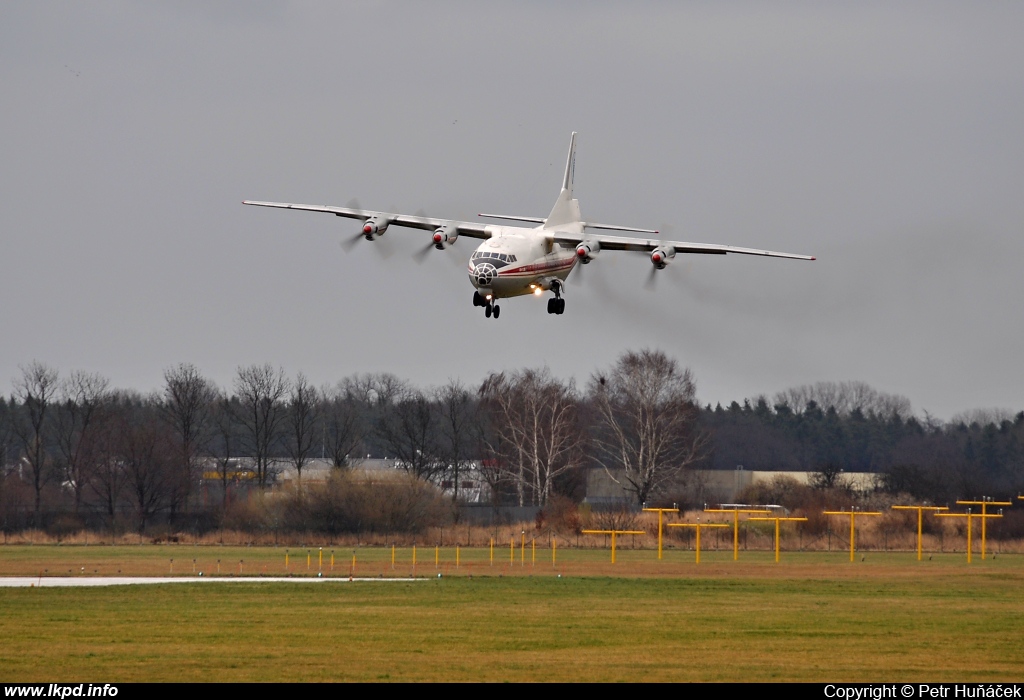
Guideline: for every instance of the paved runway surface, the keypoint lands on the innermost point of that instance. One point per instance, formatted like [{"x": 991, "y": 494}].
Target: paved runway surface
[{"x": 64, "y": 581}]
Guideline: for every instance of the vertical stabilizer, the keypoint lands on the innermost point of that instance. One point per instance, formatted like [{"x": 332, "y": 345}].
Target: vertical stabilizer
[
  {"x": 570, "y": 165},
  {"x": 566, "y": 209}
]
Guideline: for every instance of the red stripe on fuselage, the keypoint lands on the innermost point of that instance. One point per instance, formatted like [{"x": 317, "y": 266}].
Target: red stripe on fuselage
[{"x": 539, "y": 268}]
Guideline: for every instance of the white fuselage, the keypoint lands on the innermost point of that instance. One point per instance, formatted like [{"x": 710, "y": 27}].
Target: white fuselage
[{"x": 517, "y": 261}]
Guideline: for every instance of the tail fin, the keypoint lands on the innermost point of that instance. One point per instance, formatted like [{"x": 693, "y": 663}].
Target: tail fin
[
  {"x": 566, "y": 209},
  {"x": 570, "y": 165}
]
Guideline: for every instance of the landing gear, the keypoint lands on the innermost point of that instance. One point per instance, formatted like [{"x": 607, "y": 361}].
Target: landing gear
[
  {"x": 556, "y": 305},
  {"x": 490, "y": 308}
]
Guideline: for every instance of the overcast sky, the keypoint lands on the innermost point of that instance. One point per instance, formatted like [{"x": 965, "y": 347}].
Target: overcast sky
[{"x": 885, "y": 138}]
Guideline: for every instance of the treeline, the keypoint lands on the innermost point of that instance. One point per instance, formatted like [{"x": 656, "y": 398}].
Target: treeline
[
  {"x": 76, "y": 452},
  {"x": 833, "y": 428}
]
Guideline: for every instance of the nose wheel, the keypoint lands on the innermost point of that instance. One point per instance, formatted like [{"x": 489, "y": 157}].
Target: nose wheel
[{"x": 490, "y": 308}]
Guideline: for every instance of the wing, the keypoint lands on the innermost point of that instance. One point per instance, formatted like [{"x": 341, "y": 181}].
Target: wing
[
  {"x": 649, "y": 244},
  {"x": 465, "y": 228}
]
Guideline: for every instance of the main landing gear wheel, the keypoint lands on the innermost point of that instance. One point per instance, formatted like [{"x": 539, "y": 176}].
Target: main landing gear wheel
[
  {"x": 497, "y": 310},
  {"x": 487, "y": 311},
  {"x": 478, "y": 300},
  {"x": 556, "y": 306}
]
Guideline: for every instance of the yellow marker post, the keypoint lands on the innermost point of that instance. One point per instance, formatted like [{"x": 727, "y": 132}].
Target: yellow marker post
[
  {"x": 320, "y": 561},
  {"x": 533, "y": 552},
  {"x": 309, "y": 555},
  {"x": 353, "y": 571},
  {"x": 285, "y": 561},
  {"x": 414, "y": 557},
  {"x": 554, "y": 547},
  {"x": 522, "y": 550},
  {"x": 392, "y": 557},
  {"x": 698, "y": 526},
  {"x": 920, "y": 512},
  {"x": 853, "y": 517},
  {"x": 777, "y": 521},
  {"x": 332, "y": 559},
  {"x": 661, "y": 512},
  {"x": 613, "y": 533},
  {"x": 984, "y": 516},
  {"x": 512, "y": 550},
  {"x": 456, "y": 556},
  {"x": 969, "y": 515},
  {"x": 492, "y": 551},
  {"x": 736, "y": 524},
  {"x": 437, "y": 556}
]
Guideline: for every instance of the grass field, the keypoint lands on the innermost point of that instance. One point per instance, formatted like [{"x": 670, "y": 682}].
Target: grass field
[{"x": 813, "y": 617}]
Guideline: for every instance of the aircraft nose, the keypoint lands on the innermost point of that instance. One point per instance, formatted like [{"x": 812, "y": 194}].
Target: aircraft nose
[{"x": 484, "y": 274}]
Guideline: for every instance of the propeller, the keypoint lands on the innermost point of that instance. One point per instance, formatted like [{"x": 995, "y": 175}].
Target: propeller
[
  {"x": 381, "y": 244},
  {"x": 651, "y": 283},
  {"x": 421, "y": 253},
  {"x": 652, "y": 279},
  {"x": 348, "y": 243},
  {"x": 577, "y": 272}
]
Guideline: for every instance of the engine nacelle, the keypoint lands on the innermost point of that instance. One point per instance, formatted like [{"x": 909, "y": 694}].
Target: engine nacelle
[
  {"x": 662, "y": 256},
  {"x": 375, "y": 226},
  {"x": 587, "y": 251},
  {"x": 445, "y": 236}
]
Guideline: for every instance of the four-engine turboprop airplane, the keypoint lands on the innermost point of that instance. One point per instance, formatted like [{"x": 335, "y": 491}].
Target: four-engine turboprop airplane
[{"x": 515, "y": 260}]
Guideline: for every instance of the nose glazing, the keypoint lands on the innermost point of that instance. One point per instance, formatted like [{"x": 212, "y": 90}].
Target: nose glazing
[{"x": 484, "y": 273}]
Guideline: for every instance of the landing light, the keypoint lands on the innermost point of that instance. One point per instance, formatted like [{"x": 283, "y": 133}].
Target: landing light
[{"x": 538, "y": 292}]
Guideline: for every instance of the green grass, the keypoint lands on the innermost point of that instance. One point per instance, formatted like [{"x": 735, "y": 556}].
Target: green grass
[
  {"x": 814, "y": 617},
  {"x": 212, "y": 560}
]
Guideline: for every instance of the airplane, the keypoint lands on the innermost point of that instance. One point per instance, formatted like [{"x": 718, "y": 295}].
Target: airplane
[{"x": 516, "y": 260}]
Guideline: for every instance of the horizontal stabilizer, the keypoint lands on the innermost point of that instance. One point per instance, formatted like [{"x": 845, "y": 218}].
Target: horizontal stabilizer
[
  {"x": 531, "y": 219},
  {"x": 612, "y": 227}
]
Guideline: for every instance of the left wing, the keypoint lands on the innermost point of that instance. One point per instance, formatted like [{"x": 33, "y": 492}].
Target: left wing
[
  {"x": 649, "y": 244},
  {"x": 426, "y": 223}
]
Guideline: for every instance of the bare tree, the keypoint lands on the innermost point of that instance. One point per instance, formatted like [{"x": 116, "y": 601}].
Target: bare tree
[
  {"x": 36, "y": 390},
  {"x": 535, "y": 431},
  {"x": 107, "y": 475},
  {"x": 227, "y": 438},
  {"x": 343, "y": 423},
  {"x": 845, "y": 397},
  {"x": 457, "y": 429},
  {"x": 144, "y": 448},
  {"x": 261, "y": 392},
  {"x": 646, "y": 419},
  {"x": 6, "y": 431},
  {"x": 81, "y": 399},
  {"x": 187, "y": 407},
  {"x": 302, "y": 422},
  {"x": 982, "y": 416},
  {"x": 405, "y": 426}
]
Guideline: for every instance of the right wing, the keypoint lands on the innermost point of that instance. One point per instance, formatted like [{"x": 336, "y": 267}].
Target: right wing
[
  {"x": 465, "y": 228},
  {"x": 649, "y": 244}
]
